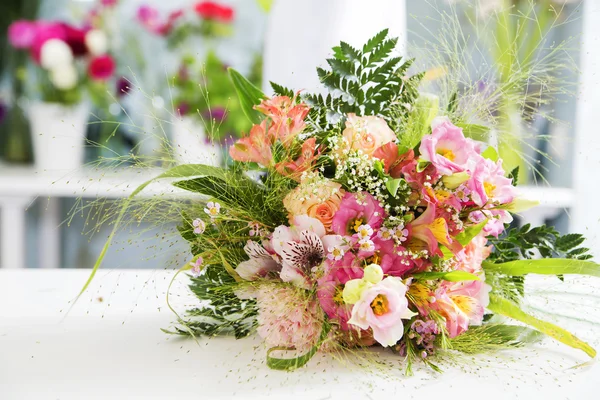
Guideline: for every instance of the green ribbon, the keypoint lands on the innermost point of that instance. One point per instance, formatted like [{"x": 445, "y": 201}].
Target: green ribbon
[{"x": 290, "y": 364}]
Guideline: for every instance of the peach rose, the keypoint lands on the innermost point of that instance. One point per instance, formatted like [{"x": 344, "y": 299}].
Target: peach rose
[
  {"x": 367, "y": 133},
  {"x": 318, "y": 198}
]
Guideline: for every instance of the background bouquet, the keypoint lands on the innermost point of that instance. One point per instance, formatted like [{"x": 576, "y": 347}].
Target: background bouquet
[
  {"x": 364, "y": 217},
  {"x": 68, "y": 59}
]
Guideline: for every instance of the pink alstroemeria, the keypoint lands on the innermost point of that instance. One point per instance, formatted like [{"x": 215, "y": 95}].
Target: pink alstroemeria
[
  {"x": 256, "y": 147},
  {"x": 447, "y": 148},
  {"x": 462, "y": 304},
  {"x": 261, "y": 262},
  {"x": 393, "y": 162},
  {"x": 287, "y": 117},
  {"x": 430, "y": 230},
  {"x": 302, "y": 248},
  {"x": 382, "y": 307},
  {"x": 308, "y": 156},
  {"x": 488, "y": 183},
  {"x": 357, "y": 209}
]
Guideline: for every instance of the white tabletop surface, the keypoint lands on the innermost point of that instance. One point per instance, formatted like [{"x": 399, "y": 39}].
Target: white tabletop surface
[{"x": 110, "y": 346}]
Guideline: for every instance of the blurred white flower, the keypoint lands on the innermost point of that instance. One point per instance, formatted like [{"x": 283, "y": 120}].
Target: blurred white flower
[
  {"x": 64, "y": 77},
  {"x": 55, "y": 53},
  {"x": 96, "y": 42}
]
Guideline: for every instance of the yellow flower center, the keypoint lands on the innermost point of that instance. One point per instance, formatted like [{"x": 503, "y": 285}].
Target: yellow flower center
[
  {"x": 379, "y": 305},
  {"x": 357, "y": 223},
  {"x": 338, "y": 297},
  {"x": 374, "y": 259},
  {"x": 489, "y": 188},
  {"x": 447, "y": 153},
  {"x": 337, "y": 252},
  {"x": 213, "y": 211}
]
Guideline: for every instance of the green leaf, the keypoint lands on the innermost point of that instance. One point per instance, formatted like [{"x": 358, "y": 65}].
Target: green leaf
[
  {"x": 453, "y": 276},
  {"x": 514, "y": 175},
  {"x": 544, "y": 266},
  {"x": 490, "y": 153},
  {"x": 474, "y": 131},
  {"x": 393, "y": 185},
  {"x": 289, "y": 364},
  {"x": 418, "y": 124},
  {"x": 281, "y": 91},
  {"x": 375, "y": 41},
  {"x": 248, "y": 94},
  {"x": 469, "y": 233},
  {"x": 501, "y": 306}
]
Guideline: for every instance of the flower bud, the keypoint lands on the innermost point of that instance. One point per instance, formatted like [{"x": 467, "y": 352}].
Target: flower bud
[
  {"x": 455, "y": 180},
  {"x": 373, "y": 273}
]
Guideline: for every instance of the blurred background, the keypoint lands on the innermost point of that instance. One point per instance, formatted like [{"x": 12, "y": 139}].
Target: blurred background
[{"x": 87, "y": 86}]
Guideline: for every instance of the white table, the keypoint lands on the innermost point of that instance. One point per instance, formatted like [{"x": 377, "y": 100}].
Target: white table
[{"x": 114, "y": 349}]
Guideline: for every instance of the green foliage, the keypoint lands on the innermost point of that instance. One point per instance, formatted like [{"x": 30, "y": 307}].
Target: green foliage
[
  {"x": 418, "y": 123},
  {"x": 544, "y": 241},
  {"x": 368, "y": 81},
  {"x": 206, "y": 90},
  {"x": 529, "y": 243},
  {"x": 257, "y": 201},
  {"x": 514, "y": 175},
  {"x": 223, "y": 312}
]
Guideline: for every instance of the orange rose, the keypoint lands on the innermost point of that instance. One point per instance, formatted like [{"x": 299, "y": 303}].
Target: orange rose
[{"x": 316, "y": 197}]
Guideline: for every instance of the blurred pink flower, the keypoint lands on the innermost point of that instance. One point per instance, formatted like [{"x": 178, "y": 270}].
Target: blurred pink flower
[
  {"x": 21, "y": 34},
  {"x": 101, "y": 68}
]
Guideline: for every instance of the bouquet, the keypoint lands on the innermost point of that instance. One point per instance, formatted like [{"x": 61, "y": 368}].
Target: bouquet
[
  {"x": 68, "y": 59},
  {"x": 363, "y": 218}
]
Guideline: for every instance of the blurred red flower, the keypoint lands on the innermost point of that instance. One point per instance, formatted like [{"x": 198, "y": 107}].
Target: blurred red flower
[
  {"x": 101, "y": 68},
  {"x": 214, "y": 11}
]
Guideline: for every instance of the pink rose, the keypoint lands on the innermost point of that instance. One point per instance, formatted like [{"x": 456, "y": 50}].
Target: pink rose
[
  {"x": 382, "y": 308},
  {"x": 447, "y": 148},
  {"x": 367, "y": 133},
  {"x": 318, "y": 198}
]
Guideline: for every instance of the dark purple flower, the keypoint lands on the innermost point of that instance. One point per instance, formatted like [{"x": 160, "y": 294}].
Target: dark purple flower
[
  {"x": 123, "y": 86},
  {"x": 218, "y": 114},
  {"x": 183, "y": 108}
]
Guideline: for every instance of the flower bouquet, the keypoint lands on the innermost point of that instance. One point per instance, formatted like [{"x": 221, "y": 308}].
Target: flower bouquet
[
  {"x": 69, "y": 63},
  {"x": 362, "y": 218}
]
